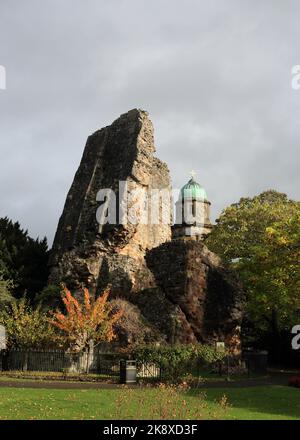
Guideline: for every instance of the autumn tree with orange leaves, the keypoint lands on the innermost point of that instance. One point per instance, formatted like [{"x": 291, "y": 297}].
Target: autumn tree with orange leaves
[{"x": 86, "y": 322}]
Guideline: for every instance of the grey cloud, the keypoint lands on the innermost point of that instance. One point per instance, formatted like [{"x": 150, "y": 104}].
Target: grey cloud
[{"x": 215, "y": 77}]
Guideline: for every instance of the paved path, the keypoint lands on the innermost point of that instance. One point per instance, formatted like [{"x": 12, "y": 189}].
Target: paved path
[
  {"x": 53, "y": 384},
  {"x": 273, "y": 379}
]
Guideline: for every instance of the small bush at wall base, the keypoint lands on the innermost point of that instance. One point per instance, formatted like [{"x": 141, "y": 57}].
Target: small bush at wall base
[{"x": 177, "y": 360}]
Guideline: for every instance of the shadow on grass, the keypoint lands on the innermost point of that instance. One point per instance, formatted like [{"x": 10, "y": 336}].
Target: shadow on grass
[{"x": 263, "y": 402}]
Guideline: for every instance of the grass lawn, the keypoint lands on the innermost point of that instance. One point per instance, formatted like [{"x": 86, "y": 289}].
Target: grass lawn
[{"x": 270, "y": 402}]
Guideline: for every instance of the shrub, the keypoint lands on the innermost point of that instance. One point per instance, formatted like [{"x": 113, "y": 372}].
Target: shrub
[
  {"x": 176, "y": 360},
  {"x": 50, "y": 297}
]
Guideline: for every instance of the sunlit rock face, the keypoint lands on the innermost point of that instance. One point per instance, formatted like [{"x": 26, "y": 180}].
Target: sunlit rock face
[
  {"x": 207, "y": 297},
  {"x": 83, "y": 250},
  {"x": 172, "y": 289}
]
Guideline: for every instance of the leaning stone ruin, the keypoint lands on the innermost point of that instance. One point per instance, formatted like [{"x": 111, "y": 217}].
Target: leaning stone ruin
[{"x": 169, "y": 284}]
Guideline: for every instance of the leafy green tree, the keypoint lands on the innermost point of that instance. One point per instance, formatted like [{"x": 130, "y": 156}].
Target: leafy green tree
[
  {"x": 260, "y": 239},
  {"x": 22, "y": 259},
  {"x": 6, "y": 287},
  {"x": 26, "y": 327}
]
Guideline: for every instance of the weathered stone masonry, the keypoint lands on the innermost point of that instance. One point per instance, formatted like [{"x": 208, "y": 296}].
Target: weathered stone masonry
[{"x": 174, "y": 290}]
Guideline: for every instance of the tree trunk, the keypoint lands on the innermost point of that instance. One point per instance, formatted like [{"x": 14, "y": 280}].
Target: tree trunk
[
  {"x": 90, "y": 351},
  {"x": 276, "y": 338}
]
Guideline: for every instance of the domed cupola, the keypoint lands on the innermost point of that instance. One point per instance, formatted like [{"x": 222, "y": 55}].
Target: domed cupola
[
  {"x": 192, "y": 212},
  {"x": 193, "y": 190}
]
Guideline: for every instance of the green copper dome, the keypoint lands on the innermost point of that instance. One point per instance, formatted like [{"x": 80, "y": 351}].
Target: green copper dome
[{"x": 192, "y": 190}]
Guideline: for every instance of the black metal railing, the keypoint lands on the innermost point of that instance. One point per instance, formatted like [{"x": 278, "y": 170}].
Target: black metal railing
[{"x": 104, "y": 365}]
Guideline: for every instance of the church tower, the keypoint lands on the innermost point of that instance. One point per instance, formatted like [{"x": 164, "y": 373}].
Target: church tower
[{"x": 192, "y": 212}]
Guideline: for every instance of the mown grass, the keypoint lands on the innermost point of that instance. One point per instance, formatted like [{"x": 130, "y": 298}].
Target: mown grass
[{"x": 253, "y": 403}]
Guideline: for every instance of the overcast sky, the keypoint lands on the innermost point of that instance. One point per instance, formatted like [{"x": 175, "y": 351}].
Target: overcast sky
[{"x": 215, "y": 77}]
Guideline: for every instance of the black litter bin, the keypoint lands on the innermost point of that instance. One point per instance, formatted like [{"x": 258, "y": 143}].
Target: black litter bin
[
  {"x": 256, "y": 361},
  {"x": 127, "y": 371}
]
